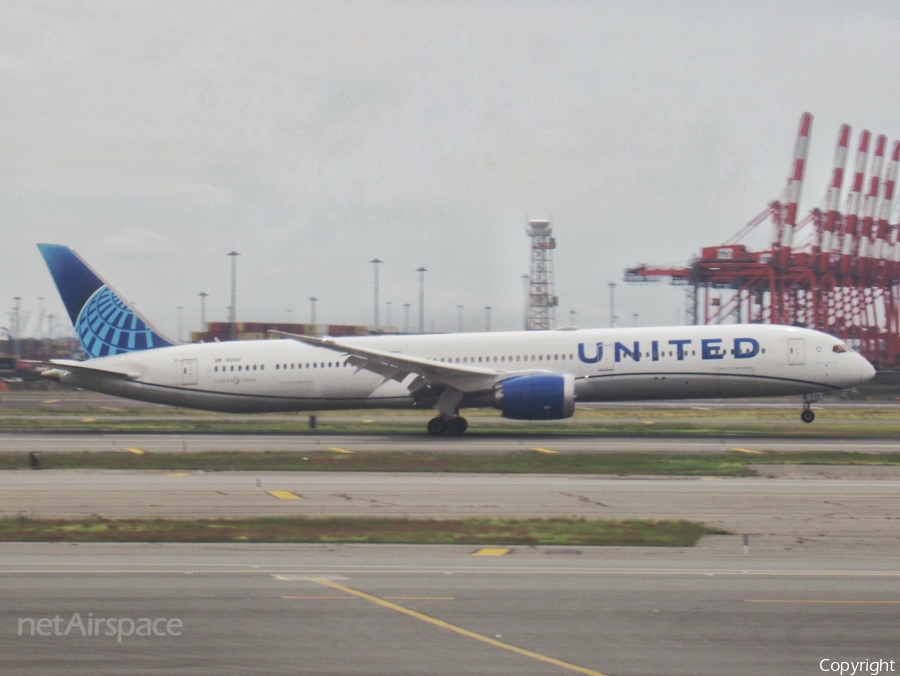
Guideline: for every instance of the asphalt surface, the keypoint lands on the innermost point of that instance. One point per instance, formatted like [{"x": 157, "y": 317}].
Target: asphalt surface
[
  {"x": 824, "y": 515},
  {"x": 439, "y": 611},
  {"x": 362, "y": 443},
  {"x": 819, "y": 579}
]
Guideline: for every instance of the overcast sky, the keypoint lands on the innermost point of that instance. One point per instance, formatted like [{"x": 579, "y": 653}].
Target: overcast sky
[{"x": 155, "y": 137}]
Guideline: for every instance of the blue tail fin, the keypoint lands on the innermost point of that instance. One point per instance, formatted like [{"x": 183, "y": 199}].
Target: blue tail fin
[{"x": 104, "y": 323}]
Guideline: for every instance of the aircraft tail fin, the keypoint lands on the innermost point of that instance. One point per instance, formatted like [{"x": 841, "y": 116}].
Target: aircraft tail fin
[{"x": 104, "y": 323}]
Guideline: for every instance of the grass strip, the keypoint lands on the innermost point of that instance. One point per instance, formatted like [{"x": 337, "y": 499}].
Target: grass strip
[
  {"x": 471, "y": 531},
  {"x": 681, "y": 464},
  {"x": 488, "y": 463}
]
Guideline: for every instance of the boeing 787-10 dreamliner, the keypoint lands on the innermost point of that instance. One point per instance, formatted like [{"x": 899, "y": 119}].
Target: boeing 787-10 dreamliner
[{"x": 527, "y": 375}]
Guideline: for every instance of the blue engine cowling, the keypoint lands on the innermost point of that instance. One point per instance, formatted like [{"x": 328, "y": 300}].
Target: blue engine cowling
[{"x": 537, "y": 396}]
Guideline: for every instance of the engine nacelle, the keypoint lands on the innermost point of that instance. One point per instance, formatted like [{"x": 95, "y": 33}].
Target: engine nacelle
[{"x": 536, "y": 396}]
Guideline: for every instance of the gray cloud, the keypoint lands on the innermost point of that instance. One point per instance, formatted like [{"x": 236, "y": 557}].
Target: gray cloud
[{"x": 312, "y": 136}]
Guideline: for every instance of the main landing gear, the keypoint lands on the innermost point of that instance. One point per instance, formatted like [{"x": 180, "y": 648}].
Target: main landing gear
[
  {"x": 453, "y": 426},
  {"x": 808, "y": 415}
]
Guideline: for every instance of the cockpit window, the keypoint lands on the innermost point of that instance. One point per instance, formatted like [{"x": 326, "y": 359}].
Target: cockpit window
[{"x": 839, "y": 348}]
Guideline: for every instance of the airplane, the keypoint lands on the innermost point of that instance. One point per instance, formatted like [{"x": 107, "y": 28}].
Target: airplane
[{"x": 527, "y": 375}]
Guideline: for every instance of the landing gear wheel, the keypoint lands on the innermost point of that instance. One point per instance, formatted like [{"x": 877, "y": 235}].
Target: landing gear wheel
[
  {"x": 807, "y": 416},
  {"x": 437, "y": 426},
  {"x": 456, "y": 426}
]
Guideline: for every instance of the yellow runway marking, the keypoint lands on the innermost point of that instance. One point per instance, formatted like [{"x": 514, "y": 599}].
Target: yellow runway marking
[
  {"x": 490, "y": 551},
  {"x": 543, "y": 450},
  {"x": 136, "y": 451},
  {"x": 862, "y": 601},
  {"x": 649, "y": 422},
  {"x": 89, "y": 420},
  {"x": 284, "y": 495},
  {"x": 459, "y": 630},
  {"x": 340, "y": 450},
  {"x": 52, "y": 401},
  {"x": 112, "y": 408},
  {"x": 746, "y": 450},
  {"x": 368, "y": 421}
]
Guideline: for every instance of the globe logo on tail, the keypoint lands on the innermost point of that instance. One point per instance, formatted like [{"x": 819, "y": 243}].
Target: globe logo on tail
[{"x": 107, "y": 326}]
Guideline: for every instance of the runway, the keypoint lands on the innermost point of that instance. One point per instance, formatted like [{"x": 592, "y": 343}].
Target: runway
[
  {"x": 441, "y": 611},
  {"x": 820, "y": 578},
  {"x": 853, "y": 515},
  {"x": 469, "y": 443}
]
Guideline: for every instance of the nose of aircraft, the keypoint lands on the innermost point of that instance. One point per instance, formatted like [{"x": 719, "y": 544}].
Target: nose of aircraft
[{"x": 866, "y": 370}]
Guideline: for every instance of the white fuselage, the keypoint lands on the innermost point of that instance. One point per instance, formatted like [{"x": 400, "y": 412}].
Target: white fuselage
[{"x": 679, "y": 362}]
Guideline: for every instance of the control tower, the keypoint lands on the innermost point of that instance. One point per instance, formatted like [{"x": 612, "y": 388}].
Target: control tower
[{"x": 541, "y": 313}]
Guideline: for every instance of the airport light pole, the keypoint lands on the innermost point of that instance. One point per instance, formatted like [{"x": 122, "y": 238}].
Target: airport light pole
[
  {"x": 421, "y": 272},
  {"x": 312, "y": 310},
  {"x": 406, "y": 307},
  {"x": 15, "y": 325},
  {"x": 388, "y": 313},
  {"x": 572, "y": 314},
  {"x": 376, "y": 263},
  {"x": 233, "y": 318},
  {"x": 487, "y": 318},
  {"x": 203, "y": 295},
  {"x": 612, "y": 305}
]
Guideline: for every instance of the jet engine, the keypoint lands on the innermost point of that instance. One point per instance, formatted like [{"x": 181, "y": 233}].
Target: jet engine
[{"x": 536, "y": 396}]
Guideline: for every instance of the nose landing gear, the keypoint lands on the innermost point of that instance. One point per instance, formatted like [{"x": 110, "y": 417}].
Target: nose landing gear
[
  {"x": 808, "y": 415},
  {"x": 453, "y": 426}
]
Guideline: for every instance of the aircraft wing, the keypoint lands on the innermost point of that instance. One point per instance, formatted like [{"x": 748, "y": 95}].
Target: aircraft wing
[{"x": 394, "y": 366}]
